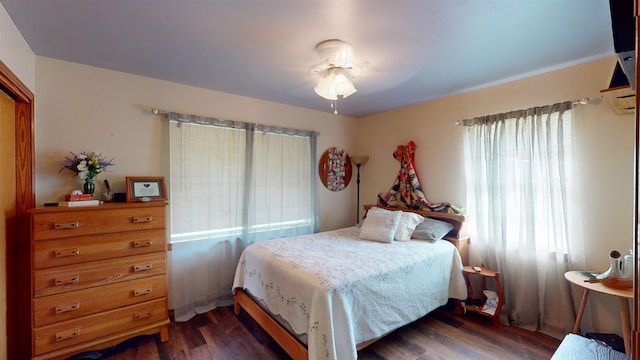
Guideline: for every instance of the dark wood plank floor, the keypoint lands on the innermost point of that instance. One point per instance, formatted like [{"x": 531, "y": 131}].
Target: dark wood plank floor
[{"x": 219, "y": 334}]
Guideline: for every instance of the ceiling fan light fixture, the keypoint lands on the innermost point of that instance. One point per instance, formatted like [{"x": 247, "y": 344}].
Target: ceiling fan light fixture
[
  {"x": 325, "y": 87},
  {"x": 343, "y": 85},
  {"x": 335, "y": 52},
  {"x": 336, "y": 70},
  {"x": 335, "y": 83}
]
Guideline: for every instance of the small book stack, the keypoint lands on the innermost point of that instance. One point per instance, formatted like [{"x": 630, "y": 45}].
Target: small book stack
[{"x": 79, "y": 200}]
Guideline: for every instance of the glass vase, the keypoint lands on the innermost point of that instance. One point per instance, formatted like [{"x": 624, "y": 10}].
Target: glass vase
[{"x": 89, "y": 186}]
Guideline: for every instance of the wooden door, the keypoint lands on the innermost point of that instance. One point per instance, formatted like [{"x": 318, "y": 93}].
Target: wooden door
[
  {"x": 8, "y": 198},
  {"x": 18, "y": 117}
]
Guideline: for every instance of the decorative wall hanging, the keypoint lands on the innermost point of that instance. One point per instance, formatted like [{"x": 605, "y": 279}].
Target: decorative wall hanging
[
  {"x": 335, "y": 169},
  {"x": 406, "y": 191}
]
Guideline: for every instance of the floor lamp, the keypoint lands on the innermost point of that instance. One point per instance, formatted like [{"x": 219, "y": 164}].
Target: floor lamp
[{"x": 358, "y": 161}]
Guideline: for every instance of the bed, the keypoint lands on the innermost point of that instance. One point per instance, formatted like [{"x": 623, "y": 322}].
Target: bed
[{"x": 330, "y": 294}]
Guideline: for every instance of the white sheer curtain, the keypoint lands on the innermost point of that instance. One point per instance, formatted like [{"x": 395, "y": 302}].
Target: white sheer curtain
[
  {"x": 520, "y": 204},
  {"x": 232, "y": 184}
]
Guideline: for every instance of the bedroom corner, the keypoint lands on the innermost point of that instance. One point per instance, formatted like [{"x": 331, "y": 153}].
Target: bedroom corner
[{"x": 604, "y": 143}]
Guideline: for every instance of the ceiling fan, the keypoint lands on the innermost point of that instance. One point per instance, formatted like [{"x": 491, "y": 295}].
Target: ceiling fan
[{"x": 336, "y": 69}]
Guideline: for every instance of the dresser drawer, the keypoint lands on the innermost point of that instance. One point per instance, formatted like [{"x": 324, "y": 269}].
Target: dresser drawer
[
  {"x": 98, "y": 273},
  {"x": 71, "y": 250},
  {"x": 95, "y": 220},
  {"x": 73, "y": 332},
  {"x": 75, "y": 304}
]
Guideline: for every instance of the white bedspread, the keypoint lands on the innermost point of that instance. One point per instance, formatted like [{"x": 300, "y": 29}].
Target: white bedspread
[{"x": 341, "y": 291}]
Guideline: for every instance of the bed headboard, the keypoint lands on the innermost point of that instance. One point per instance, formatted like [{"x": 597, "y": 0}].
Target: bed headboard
[{"x": 454, "y": 236}]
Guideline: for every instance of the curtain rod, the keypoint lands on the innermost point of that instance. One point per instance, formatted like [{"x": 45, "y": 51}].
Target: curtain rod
[
  {"x": 155, "y": 111},
  {"x": 581, "y": 101}
]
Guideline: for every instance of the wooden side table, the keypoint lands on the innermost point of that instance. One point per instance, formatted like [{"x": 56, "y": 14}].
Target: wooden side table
[
  {"x": 484, "y": 273},
  {"x": 622, "y": 295}
]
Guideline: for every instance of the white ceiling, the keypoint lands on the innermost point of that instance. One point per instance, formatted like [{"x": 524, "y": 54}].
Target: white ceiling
[{"x": 416, "y": 50}]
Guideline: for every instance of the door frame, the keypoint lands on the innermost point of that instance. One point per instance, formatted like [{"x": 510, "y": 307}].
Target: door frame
[{"x": 18, "y": 260}]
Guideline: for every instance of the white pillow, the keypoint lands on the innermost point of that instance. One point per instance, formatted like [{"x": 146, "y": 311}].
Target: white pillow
[
  {"x": 380, "y": 225},
  {"x": 407, "y": 225}
]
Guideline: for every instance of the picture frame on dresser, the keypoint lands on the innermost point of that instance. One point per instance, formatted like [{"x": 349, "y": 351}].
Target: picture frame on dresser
[{"x": 145, "y": 188}]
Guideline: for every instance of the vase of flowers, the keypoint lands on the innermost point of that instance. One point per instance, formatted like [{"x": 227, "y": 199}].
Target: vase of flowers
[
  {"x": 89, "y": 186},
  {"x": 86, "y": 166}
]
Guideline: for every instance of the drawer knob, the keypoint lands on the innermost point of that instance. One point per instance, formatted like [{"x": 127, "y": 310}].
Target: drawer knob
[
  {"x": 64, "y": 226},
  {"x": 67, "y": 334},
  {"x": 67, "y": 307},
  {"x": 142, "y": 315},
  {"x": 140, "y": 292},
  {"x": 139, "y": 220},
  {"x": 66, "y": 252},
  {"x": 142, "y": 267},
  {"x": 143, "y": 243},
  {"x": 70, "y": 280}
]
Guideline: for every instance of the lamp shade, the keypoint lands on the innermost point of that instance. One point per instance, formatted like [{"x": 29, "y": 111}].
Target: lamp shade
[
  {"x": 325, "y": 88},
  {"x": 343, "y": 85},
  {"x": 359, "y": 160},
  {"x": 335, "y": 83}
]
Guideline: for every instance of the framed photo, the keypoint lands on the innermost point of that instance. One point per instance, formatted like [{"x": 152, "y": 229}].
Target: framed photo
[{"x": 145, "y": 188}]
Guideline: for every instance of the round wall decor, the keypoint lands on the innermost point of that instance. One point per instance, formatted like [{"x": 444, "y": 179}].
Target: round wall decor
[{"x": 335, "y": 169}]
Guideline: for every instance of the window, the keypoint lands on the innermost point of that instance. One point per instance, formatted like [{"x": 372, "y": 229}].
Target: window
[
  {"x": 520, "y": 208},
  {"x": 232, "y": 184},
  {"x": 228, "y": 180}
]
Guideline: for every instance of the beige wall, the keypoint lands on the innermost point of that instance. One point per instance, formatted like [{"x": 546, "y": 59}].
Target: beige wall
[
  {"x": 83, "y": 108},
  {"x": 605, "y": 142}
]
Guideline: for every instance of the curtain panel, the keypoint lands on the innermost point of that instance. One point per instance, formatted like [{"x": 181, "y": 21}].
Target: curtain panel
[
  {"x": 232, "y": 184},
  {"x": 520, "y": 201}
]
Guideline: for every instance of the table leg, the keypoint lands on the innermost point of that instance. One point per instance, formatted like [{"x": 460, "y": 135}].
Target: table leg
[
  {"x": 583, "y": 304},
  {"x": 626, "y": 323}
]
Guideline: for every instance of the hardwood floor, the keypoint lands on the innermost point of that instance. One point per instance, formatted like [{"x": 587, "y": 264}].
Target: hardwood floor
[{"x": 219, "y": 334}]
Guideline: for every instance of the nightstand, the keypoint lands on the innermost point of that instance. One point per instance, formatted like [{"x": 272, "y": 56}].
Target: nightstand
[{"x": 477, "y": 305}]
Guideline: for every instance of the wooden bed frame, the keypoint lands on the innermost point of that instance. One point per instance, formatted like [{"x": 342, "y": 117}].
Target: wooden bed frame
[{"x": 296, "y": 349}]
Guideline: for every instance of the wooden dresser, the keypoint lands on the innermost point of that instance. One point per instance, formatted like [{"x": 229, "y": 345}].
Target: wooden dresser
[{"x": 98, "y": 276}]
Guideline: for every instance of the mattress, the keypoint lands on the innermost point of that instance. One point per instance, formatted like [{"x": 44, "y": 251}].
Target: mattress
[{"x": 337, "y": 290}]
